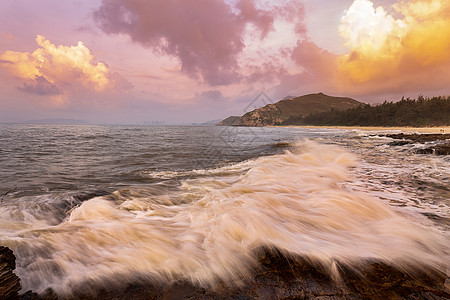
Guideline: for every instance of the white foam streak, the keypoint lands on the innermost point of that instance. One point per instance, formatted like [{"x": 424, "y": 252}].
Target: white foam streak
[{"x": 296, "y": 201}]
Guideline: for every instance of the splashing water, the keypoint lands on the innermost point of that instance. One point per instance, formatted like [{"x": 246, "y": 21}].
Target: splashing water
[{"x": 208, "y": 229}]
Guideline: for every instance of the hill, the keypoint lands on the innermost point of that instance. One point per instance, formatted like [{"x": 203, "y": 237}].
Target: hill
[
  {"x": 420, "y": 112},
  {"x": 230, "y": 121},
  {"x": 291, "y": 108}
]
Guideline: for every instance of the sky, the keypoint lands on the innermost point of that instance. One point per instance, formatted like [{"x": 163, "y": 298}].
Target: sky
[{"x": 184, "y": 61}]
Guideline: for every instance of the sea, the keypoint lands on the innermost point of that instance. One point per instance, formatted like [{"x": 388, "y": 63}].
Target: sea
[{"x": 101, "y": 204}]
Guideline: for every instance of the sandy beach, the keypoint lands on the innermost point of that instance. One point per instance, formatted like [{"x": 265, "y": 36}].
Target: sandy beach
[{"x": 404, "y": 129}]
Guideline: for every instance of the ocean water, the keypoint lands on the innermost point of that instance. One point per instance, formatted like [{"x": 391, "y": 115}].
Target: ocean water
[{"x": 95, "y": 204}]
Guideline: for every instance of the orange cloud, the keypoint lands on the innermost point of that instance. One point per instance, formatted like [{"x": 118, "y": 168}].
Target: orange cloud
[
  {"x": 57, "y": 69},
  {"x": 387, "y": 53}
]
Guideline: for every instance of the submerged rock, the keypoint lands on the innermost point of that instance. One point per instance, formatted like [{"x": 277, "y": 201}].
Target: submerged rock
[
  {"x": 419, "y": 138},
  {"x": 283, "y": 277},
  {"x": 9, "y": 282},
  {"x": 440, "y": 148}
]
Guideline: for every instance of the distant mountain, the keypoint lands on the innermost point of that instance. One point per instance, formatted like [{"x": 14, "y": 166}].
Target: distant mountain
[
  {"x": 291, "y": 108},
  {"x": 56, "y": 122}
]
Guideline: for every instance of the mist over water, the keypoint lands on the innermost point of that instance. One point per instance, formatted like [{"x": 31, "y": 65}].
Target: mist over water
[{"x": 99, "y": 203}]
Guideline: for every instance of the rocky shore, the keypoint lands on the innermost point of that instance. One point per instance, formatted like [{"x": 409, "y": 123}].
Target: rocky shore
[
  {"x": 9, "y": 282},
  {"x": 278, "y": 277},
  {"x": 289, "y": 110},
  {"x": 438, "y": 144}
]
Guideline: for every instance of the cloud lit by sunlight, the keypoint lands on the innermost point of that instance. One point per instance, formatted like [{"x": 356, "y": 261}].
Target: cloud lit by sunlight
[
  {"x": 57, "y": 69},
  {"x": 383, "y": 47},
  {"x": 367, "y": 29}
]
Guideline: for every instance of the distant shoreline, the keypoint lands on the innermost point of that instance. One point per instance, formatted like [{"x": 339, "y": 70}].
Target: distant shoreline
[{"x": 379, "y": 128}]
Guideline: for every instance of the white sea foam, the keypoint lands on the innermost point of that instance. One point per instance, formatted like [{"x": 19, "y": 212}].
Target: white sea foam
[
  {"x": 297, "y": 201},
  {"x": 226, "y": 170}
]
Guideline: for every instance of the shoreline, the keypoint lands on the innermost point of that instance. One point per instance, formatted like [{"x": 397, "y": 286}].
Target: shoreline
[
  {"x": 376, "y": 128},
  {"x": 278, "y": 275}
]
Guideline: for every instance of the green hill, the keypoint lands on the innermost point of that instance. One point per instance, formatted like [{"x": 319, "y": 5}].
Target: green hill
[
  {"x": 433, "y": 111},
  {"x": 230, "y": 121},
  {"x": 292, "y": 109}
]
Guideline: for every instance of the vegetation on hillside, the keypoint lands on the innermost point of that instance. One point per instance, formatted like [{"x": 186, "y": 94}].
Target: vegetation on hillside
[
  {"x": 230, "y": 121},
  {"x": 277, "y": 113},
  {"x": 418, "y": 112}
]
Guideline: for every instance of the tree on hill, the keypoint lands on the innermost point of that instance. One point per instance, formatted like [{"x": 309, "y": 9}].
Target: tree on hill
[{"x": 418, "y": 112}]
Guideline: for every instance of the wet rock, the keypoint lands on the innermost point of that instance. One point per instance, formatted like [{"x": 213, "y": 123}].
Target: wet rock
[
  {"x": 87, "y": 195},
  {"x": 440, "y": 147},
  {"x": 425, "y": 151},
  {"x": 280, "y": 276},
  {"x": 443, "y": 149},
  {"x": 9, "y": 282},
  {"x": 419, "y": 138},
  {"x": 400, "y": 143}
]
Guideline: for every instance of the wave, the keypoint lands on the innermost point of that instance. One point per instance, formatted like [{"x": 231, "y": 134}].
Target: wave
[
  {"x": 226, "y": 170},
  {"x": 207, "y": 231},
  {"x": 47, "y": 209}
]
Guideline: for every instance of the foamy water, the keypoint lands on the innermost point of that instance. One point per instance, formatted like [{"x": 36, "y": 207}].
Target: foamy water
[{"x": 312, "y": 200}]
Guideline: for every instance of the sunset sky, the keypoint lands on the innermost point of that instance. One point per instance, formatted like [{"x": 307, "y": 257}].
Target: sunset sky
[{"x": 180, "y": 61}]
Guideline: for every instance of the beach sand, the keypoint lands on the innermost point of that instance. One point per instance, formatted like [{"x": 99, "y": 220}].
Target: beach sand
[{"x": 403, "y": 129}]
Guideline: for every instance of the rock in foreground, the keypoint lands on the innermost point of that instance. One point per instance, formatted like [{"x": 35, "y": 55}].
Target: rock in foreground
[
  {"x": 282, "y": 277},
  {"x": 9, "y": 282}
]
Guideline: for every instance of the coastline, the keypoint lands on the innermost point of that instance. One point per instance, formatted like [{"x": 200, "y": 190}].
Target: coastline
[
  {"x": 367, "y": 128},
  {"x": 279, "y": 275}
]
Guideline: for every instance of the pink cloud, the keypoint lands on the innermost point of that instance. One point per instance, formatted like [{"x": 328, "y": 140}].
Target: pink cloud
[
  {"x": 318, "y": 63},
  {"x": 207, "y": 36},
  {"x": 318, "y": 74},
  {"x": 293, "y": 11},
  {"x": 263, "y": 20}
]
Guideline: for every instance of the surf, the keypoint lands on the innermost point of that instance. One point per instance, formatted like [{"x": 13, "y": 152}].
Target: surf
[{"x": 208, "y": 229}]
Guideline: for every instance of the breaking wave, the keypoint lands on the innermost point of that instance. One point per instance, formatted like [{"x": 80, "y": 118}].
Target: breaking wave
[{"x": 208, "y": 229}]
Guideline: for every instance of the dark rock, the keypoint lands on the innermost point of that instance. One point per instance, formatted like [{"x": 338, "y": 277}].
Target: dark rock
[
  {"x": 439, "y": 149},
  {"x": 9, "y": 282},
  {"x": 281, "y": 276},
  {"x": 400, "y": 143},
  {"x": 419, "y": 138},
  {"x": 87, "y": 195},
  {"x": 281, "y": 145},
  {"x": 424, "y": 151},
  {"x": 442, "y": 147},
  {"x": 31, "y": 296},
  {"x": 278, "y": 276}
]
